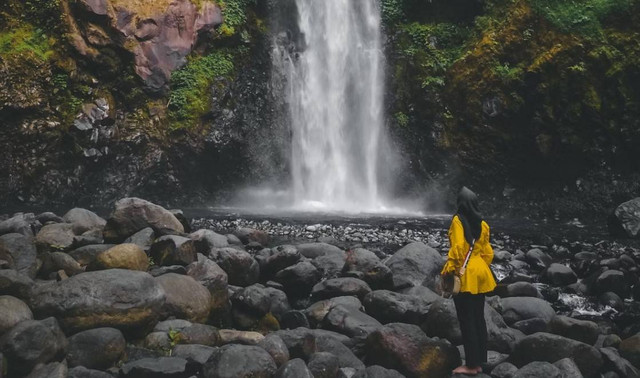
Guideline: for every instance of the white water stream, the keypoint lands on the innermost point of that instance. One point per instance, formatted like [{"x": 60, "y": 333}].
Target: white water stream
[{"x": 334, "y": 91}]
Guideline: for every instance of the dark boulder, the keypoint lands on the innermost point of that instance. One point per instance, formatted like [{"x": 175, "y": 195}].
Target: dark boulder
[
  {"x": 613, "y": 361},
  {"x": 580, "y": 330},
  {"x": 299, "y": 279},
  {"x": 22, "y": 251},
  {"x": 350, "y": 321},
  {"x": 337, "y": 287},
  {"x": 98, "y": 348},
  {"x": 613, "y": 281},
  {"x": 195, "y": 354},
  {"x": 248, "y": 235},
  {"x": 323, "y": 365},
  {"x": 625, "y": 219},
  {"x": 391, "y": 307},
  {"x": 84, "y": 220},
  {"x": 242, "y": 269},
  {"x": 185, "y": 298},
  {"x": 55, "y": 237},
  {"x": 134, "y": 214},
  {"x": 25, "y": 224},
  {"x": 521, "y": 308},
  {"x": 51, "y": 370},
  {"x": 630, "y": 349},
  {"x": 85, "y": 255},
  {"x": 210, "y": 275},
  {"x": 415, "y": 264},
  {"x": 206, "y": 240},
  {"x": 295, "y": 368},
  {"x": 83, "y": 372},
  {"x": 12, "y": 312},
  {"x": 373, "y": 271},
  {"x": 15, "y": 284},
  {"x": 538, "y": 259},
  {"x": 568, "y": 368},
  {"x": 275, "y": 259},
  {"x": 560, "y": 275},
  {"x": 377, "y": 371},
  {"x": 319, "y": 310},
  {"x": 161, "y": 367},
  {"x": 173, "y": 250},
  {"x": 537, "y": 369},
  {"x": 143, "y": 238},
  {"x": 239, "y": 361}
]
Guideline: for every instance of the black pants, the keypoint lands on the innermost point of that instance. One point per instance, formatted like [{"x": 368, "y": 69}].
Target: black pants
[{"x": 470, "y": 310}]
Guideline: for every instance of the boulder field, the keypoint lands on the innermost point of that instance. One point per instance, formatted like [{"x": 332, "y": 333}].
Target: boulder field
[{"x": 144, "y": 293}]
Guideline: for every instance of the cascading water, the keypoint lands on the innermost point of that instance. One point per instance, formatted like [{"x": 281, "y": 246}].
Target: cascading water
[{"x": 334, "y": 91}]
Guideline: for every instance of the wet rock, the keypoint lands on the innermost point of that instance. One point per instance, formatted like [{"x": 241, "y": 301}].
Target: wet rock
[
  {"x": 550, "y": 348},
  {"x": 122, "y": 256},
  {"x": 522, "y": 308},
  {"x": 52, "y": 370},
  {"x": 83, "y": 372},
  {"x": 275, "y": 259},
  {"x": 202, "y": 334},
  {"x": 241, "y": 268},
  {"x": 15, "y": 284},
  {"x": 299, "y": 279},
  {"x": 294, "y": 319},
  {"x": 337, "y": 287},
  {"x": 531, "y": 325},
  {"x": 32, "y": 342},
  {"x": 391, "y": 307},
  {"x": 158, "y": 341},
  {"x": 210, "y": 275},
  {"x": 231, "y": 361},
  {"x": 295, "y": 368},
  {"x": 98, "y": 348},
  {"x": 350, "y": 321},
  {"x": 537, "y": 369},
  {"x": 179, "y": 214},
  {"x": 375, "y": 273},
  {"x": 621, "y": 366},
  {"x": 377, "y": 371},
  {"x": 613, "y": 281},
  {"x": 206, "y": 240},
  {"x": 314, "y": 250},
  {"x": 12, "y": 312},
  {"x": 24, "y": 224},
  {"x": 22, "y": 252},
  {"x": 504, "y": 370},
  {"x": 134, "y": 214},
  {"x": 630, "y": 349},
  {"x": 253, "y": 303},
  {"x": 84, "y": 220},
  {"x": 537, "y": 259},
  {"x": 143, "y": 238},
  {"x": 517, "y": 289},
  {"x": 173, "y": 250},
  {"x": 330, "y": 265},
  {"x": 196, "y": 355},
  {"x": 123, "y": 299},
  {"x": 406, "y": 348},
  {"x": 169, "y": 367},
  {"x": 568, "y": 368},
  {"x": 185, "y": 298},
  {"x": 232, "y": 336},
  {"x": 612, "y": 300},
  {"x": 413, "y": 264},
  {"x": 319, "y": 310},
  {"x": 625, "y": 219},
  {"x": 323, "y": 365},
  {"x": 87, "y": 254},
  {"x": 560, "y": 275},
  {"x": 248, "y": 235},
  {"x": 55, "y": 261},
  {"x": 580, "y": 330},
  {"x": 276, "y": 348},
  {"x": 57, "y": 236}
]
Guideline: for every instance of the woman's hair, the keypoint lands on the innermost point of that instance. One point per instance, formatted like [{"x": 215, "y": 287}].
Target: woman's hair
[{"x": 469, "y": 214}]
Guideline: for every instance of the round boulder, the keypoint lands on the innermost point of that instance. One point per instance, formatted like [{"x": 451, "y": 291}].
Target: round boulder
[
  {"x": 12, "y": 312},
  {"x": 522, "y": 308},
  {"x": 22, "y": 251},
  {"x": 239, "y": 361},
  {"x": 538, "y": 369},
  {"x": 413, "y": 264},
  {"x": 84, "y": 220},
  {"x": 185, "y": 298},
  {"x": 630, "y": 349},
  {"x": 124, "y": 299},
  {"x": 625, "y": 219},
  {"x": 173, "y": 250},
  {"x": 560, "y": 275},
  {"x": 338, "y": 287},
  {"x": 98, "y": 348},
  {"x": 580, "y": 330},
  {"x": 613, "y": 281},
  {"x": 133, "y": 214},
  {"x": 56, "y": 236},
  {"x": 242, "y": 269},
  {"x": 295, "y": 368}
]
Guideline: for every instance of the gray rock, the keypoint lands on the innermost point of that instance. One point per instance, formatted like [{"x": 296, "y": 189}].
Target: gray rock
[
  {"x": 24, "y": 224},
  {"x": 612, "y": 281},
  {"x": 298, "y": 279},
  {"x": 319, "y": 310},
  {"x": 568, "y": 368},
  {"x": 630, "y": 349},
  {"x": 15, "y": 284},
  {"x": 55, "y": 237},
  {"x": 522, "y": 308},
  {"x": 242, "y": 269},
  {"x": 83, "y": 372},
  {"x": 235, "y": 361},
  {"x": 391, "y": 307},
  {"x": 161, "y": 367},
  {"x": 377, "y": 371},
  {"x": 504, "y": 370},
  {"x": 134, "y": 214},
  {"x": 274, "y": 345},
  {"x": 87, "y": 254},
  {"x": 173, "y": 250},
  {"x": 143, "y": 238},
  {"x": 323, "y": 365},
  {"x": 337, "y": 287},
  {"x": 625, "y": 219},
  {"x": 55, "y": 261},
  {"x": 295, "y": 368},
  {"x": 275, "y": 259},
  {"x": 210, "y": 275},
  {"x": 413, "y": 264},
  {"x": 560, "y": 275},
  {"x": 195, "y": 354},
  {"x": 98, "y": 348},
  {"x": 12, "y": 312},
  {"x": 248, "y": 235},
  {"x": 537, "y": 259},
  {"x": 613, "y": 361},
  {"x": 550, "y": 348},
  {"x": 350, "y": 321},
  {"x": 374, "y": 272},
  {"x": 52, "y": 370},
  {"x": 313, "y": 250},
  {"x": 206, "y": 240},
  {"x": 531, "y": 325},
  {"x": 581, "y": 330},
  {"x": 537, "y": 369},
  {"x": 123, "y": 299},
  {"x": 185, "y": 298},
  {"x": 32, "y": 342},
  {"x": 22, "y": 251},
  {"x": 84, "y": 220}
]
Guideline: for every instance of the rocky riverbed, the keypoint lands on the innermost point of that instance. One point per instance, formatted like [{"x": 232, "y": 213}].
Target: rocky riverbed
[{"x": 150, "y": 292}]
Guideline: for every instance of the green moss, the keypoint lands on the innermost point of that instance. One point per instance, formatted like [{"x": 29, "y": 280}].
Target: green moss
[
  {"x": 191, "y": 87},
  {"x": 234, "y": 13},
  {"x": 392, "y": 11},
  {"x": 26, "y": 39},
  {"x": 402, "y": 119}
]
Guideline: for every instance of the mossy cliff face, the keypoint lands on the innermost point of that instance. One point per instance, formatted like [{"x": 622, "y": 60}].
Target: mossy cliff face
[
  {"x": 100, "y": 98},
  {"x": 519, "y": 94}
]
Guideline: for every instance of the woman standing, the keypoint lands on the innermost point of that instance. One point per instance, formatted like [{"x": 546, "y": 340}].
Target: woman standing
[{"x": 468, "y": 229}]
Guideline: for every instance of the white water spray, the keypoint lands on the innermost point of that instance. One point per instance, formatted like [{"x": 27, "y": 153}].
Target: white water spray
[{"x": 335, "y": 91}]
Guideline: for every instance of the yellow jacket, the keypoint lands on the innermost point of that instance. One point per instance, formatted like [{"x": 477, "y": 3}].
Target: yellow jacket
[{"x": 477, "y": 277}]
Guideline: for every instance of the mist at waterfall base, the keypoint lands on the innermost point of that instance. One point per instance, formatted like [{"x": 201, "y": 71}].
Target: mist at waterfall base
[{"x": 341, "y": 159}]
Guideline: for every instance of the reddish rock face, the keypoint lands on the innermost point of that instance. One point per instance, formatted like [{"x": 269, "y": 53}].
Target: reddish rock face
[{"x": 159, "y": 42}]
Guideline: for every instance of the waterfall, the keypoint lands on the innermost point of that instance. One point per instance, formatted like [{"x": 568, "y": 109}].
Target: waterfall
[{"x": 334, "y": 93}]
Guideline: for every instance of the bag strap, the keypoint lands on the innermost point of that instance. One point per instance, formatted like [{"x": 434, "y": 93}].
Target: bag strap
[{"x": 466, "y": 259}]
